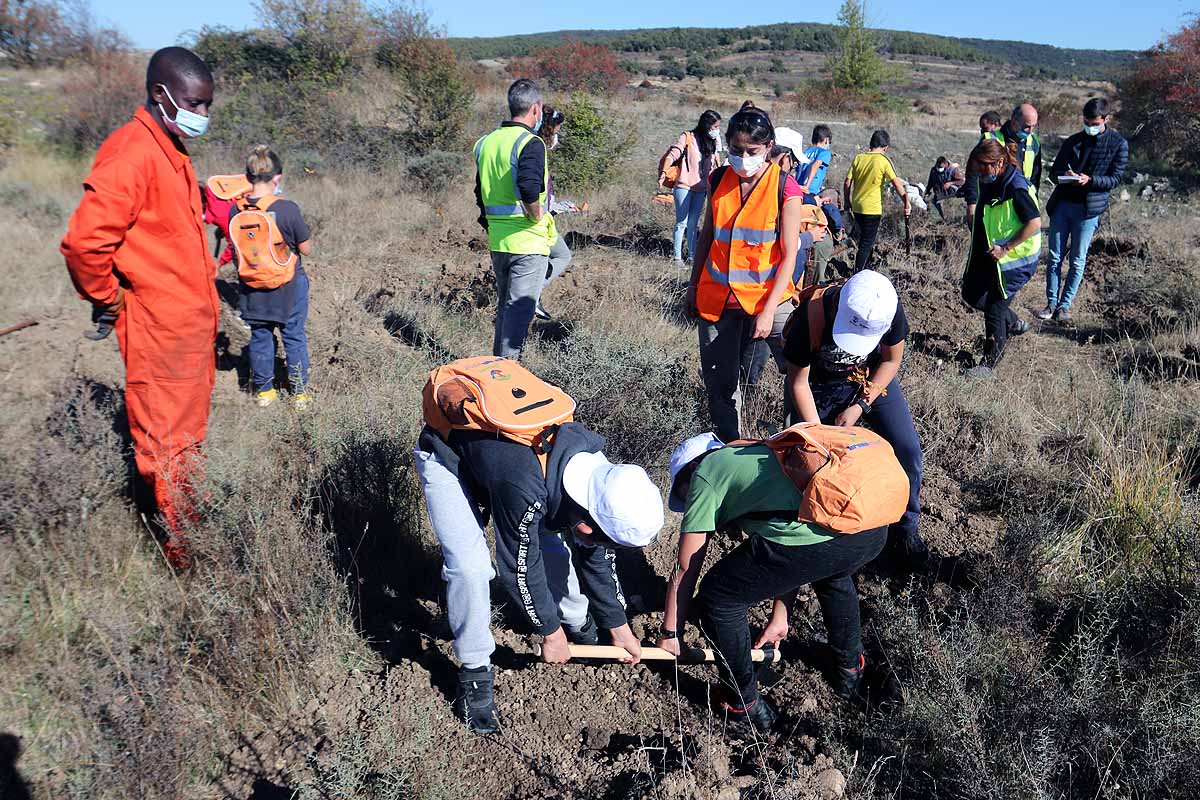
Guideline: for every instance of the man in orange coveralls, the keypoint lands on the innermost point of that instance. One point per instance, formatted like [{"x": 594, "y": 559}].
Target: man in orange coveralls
[{"x": 136, "y": 247}]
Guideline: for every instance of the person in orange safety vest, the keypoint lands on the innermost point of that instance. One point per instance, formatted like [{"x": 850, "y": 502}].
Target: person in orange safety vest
[
  {"x": 136, "y": 247},
  {"x": 751, "y": 228}
]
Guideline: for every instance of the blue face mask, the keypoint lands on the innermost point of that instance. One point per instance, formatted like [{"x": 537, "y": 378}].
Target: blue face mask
[
  {"x": 278, "y": 190},
  {"x": 1023, "y": 135},
  {"x": 988, "y": 178},
  {"x": 1093, "y": 130},
  {"x": 187, "y": 124}
]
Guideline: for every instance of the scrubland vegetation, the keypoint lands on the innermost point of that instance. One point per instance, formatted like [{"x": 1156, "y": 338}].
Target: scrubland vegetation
[{"x": 306, "y": 653}]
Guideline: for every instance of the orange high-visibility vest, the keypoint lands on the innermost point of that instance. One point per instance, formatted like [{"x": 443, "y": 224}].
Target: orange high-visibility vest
[{"x": 745, "y": 252}]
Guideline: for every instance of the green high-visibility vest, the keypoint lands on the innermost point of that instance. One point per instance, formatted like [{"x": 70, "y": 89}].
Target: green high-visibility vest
[
  {"x": 1001, "y": 223},
  {"x": 509, "y": 230},
  {"x": 1029, "y": 155}
]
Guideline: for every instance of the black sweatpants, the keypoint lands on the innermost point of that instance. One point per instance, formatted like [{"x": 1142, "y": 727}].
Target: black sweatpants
[
  {"x": 759, "y": 569},
  {"x": 998, "y": 322},
  {"x": 868, "y": 230}
]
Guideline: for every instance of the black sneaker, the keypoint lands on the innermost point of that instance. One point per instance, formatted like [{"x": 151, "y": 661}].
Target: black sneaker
[
  {"x": 541, "y": 313},
  {"x": 1021, "y": 327},
  {"x": 1045, "y": 313},
  {"x": 475, "y": 703},
  {"x": 846, "y": 681},
  {"x": 1062, "y": 314},
  {"x": 588, "y": 634},
  {"x": 759, "y": 714}
]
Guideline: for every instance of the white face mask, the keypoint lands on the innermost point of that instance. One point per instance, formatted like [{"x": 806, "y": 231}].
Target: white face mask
[
  {"x": 554, "y": 141},
  {"x": 187, "y": 124},
  {"x": 1093, "y": 130},
  {"x": 714, "y": 134},
  {"x": 746, "y": 166}
]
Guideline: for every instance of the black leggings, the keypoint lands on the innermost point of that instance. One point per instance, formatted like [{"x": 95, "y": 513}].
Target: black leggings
[
  {"x": 868, "y": 229},
  {"x": 999, "y": 321},
  {"x": 759, "y": 569}
]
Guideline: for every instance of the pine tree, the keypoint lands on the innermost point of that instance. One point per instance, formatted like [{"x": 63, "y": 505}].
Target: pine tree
[{"x": 857, "y": 64}]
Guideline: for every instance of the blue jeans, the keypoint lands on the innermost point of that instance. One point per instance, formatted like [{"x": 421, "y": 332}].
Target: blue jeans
[
  {"x": 1068, "y": 222},
  {"x": 891, "y": 418},
  {"x": 689, "y": 206},
  {"x": 832, "y": 212},
  {"x": 295, "y": 345}
]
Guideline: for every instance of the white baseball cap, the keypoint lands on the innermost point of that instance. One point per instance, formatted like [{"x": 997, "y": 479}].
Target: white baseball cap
[
  {"x": 686, "y": 453},
  {"x": 793, "y": 140},
  {"x": 621, "y": 498},
  {"x": 866, "y": 308}
]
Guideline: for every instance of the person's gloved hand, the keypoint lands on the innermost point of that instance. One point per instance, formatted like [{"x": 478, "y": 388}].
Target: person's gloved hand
[
  {"x": 118, "y": 305},
  {"x": 105, "y": 317}
]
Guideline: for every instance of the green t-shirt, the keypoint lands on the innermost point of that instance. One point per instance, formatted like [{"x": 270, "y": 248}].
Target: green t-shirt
[{"x": 746, "y": 479}]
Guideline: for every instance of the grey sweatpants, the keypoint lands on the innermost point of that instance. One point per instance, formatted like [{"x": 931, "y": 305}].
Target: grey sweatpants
[
  {"x": 467, "y": 564},
  {"x": 519, "y": 282},
  {"x": 560, "y": 259}
]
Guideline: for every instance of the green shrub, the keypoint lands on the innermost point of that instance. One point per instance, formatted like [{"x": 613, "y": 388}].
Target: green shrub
[
  {"x": 434, "y": 100},
  {"x": 436, "y": 170},
  {"x": 101, "y": 99},
  {"x": 590, "y": 146}
]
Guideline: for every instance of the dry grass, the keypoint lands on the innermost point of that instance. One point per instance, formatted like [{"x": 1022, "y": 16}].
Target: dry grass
[{"x": 126, "y": 681}]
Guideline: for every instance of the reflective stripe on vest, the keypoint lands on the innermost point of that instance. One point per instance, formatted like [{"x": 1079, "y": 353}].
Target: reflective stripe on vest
[
  {"x": 1000, "y": 224},
  {"x": 1029, "y": 157},
  {"x": 497, "y": 156},
  {"x": 745, "y": 254}
]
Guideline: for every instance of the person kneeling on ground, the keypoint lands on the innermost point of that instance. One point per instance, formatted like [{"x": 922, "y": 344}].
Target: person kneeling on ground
[
  {"x": 843, "y": 348},
  {"x": 743, "y": 487},
  {"x": 1006, "y": 243},
  {"x": 596, "y": 506}
]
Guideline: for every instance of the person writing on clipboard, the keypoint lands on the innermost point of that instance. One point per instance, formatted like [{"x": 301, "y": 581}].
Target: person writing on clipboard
[{"x": 1086, "y": 170}]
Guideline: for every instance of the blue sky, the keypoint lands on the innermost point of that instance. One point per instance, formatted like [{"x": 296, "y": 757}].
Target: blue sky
[{"x": 1113, "y": 24}]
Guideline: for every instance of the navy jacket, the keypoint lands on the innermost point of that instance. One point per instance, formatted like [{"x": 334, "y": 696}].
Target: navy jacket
[{"x": 1103, "y": 160}]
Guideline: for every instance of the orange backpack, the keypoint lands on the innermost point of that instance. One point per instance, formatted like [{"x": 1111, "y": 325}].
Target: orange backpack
[
  {"x": 670, "y": 172},
  {"x": 263, "y": 257},
  {"x": 499, "y": 395},
  {"x": 849, "y": 478},
  {"x": 229, "y": 187}
]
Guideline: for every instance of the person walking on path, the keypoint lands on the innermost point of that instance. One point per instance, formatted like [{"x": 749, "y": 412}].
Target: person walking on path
[
  {"x": 869, "y": 175},
  {"x": 1020, "y": 130},
  {"x": 742, "y": 487},
  {"x": 843, "y": 368},
  {"x": 1006, "y": 244},
  {"x": 284, "y": 307},
  {"x": 511, "y": 190},
  {"x": 694, "y": 153},
  {"x": 744, "y": 261},
  {"x": 1088, "y": 167},
  {"x": 136, "y": 248}
]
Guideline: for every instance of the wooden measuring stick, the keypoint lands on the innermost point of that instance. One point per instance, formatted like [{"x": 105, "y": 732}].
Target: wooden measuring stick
[{"x": 613, "y": 653}]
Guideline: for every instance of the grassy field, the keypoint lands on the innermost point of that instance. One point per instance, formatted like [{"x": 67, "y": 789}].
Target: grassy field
[{"x": 307, "y": 654}]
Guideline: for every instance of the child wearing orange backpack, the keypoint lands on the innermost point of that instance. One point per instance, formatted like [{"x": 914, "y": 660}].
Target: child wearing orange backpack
[{"x": 269, "y": 236}]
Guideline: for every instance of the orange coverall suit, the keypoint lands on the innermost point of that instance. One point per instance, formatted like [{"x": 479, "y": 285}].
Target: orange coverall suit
[{"x": 140, "y": 226}]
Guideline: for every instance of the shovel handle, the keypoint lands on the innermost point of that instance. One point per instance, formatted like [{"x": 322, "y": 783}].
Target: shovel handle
[{"x": 691, "y": 656}]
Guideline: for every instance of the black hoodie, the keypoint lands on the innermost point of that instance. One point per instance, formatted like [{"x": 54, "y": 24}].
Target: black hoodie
[{"x": 507, "y": 478}]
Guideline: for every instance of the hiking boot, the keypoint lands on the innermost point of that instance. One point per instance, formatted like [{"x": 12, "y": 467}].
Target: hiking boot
[
  {"x": 1046, "y": 313},
  {"x": 1062, "y": 314},
  {"x": 541, "y": 313},
  {"x": 475, "y": 703},
  {"x": 759, "y": 714},
  {"x": 846, "y": 681},
  {"x": 1021, "y": 327},
  {"x": 265, "y": 398},
  {"x": 587, "y": 634}
]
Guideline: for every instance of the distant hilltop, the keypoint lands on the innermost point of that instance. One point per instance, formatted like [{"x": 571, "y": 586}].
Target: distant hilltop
[{"x": 813, "y": 37}]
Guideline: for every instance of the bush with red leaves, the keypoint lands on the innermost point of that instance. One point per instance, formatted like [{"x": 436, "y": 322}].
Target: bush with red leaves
[
  {"x": 1160, "y": 99},
  {"x": 574, "y": 66}
]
